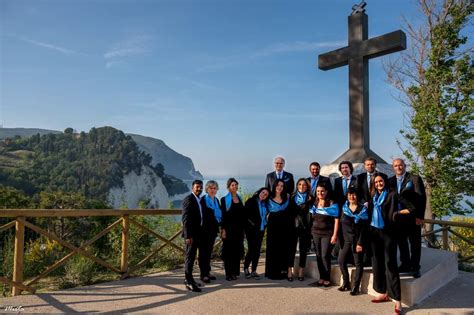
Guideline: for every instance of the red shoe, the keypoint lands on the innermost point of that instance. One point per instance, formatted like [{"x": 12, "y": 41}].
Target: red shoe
[
  {"x": 383, "y": 299},
  {"x": 398, "y": 311}
]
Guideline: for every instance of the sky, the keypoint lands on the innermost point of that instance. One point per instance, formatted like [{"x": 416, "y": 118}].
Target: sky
[{"x": 229, "y": 83}]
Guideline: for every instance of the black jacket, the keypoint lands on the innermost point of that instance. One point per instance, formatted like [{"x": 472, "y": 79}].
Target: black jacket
[
  {"x": 287, "y": 178},
  {"x": 354, "y": 232},
  {"x": 210, "y": 225},
  {"x": 338, "y": 195},
  {"x": 412, "y": 194},
  {"x": 300, "y": 213},
  {"x": 191, "y": 217}
]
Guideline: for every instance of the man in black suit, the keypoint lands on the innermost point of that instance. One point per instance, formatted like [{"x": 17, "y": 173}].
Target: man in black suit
[
  {"x": 412, "y": 197},
  {"x": 365, "y": 180},
  {"x": 192, "y": 219},
  {"x": 279, "y": 173},
  {"x": 315, "y": 178},
  {"x": 342, "y": 184}
]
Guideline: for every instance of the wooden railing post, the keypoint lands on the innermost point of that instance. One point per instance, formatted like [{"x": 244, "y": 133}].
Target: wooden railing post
[
  {"x": 18, "y": 254},
  {"x": 445, "y": 237},
  {"x": 124, "y": 258}
]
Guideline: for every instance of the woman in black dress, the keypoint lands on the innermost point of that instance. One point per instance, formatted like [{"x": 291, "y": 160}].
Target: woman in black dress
[
  {"x": 382, "y": 235},
  {"x": 256, "y": 211},
  {"x": 354, "y": 222},
  {"x": 212, "y": 217},
  {"x": 325, "y": 215},
  {"x": 300, "y": 231},
  {"x": 232, "y": 233},
  {"x": 276, "y": 263}
]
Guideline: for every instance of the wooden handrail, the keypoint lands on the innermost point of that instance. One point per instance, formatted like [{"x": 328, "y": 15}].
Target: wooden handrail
[
  {"x": 450, "y": 223},
  {"x": 47, "y": 213}
]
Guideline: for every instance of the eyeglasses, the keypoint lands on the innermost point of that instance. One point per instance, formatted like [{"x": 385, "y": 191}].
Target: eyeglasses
[{"x": 278, "y": 163}]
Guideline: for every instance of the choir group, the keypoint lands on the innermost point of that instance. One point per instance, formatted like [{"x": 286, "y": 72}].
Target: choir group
[{"x": 360, "y": 219}]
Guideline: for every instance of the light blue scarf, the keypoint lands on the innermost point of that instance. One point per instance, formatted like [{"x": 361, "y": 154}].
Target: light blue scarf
[
  {"x": 332, "y": 210},
  {"x": 263, "y": 213},
  {"x": 300, "y": 198},
  {"x": 377, "y": 219},
  {"x": 276, "y": 207},
  {"x": 228, "y": 200},
  {"x": 214, "y": 205},
  {"x": 362, "y": 215}
]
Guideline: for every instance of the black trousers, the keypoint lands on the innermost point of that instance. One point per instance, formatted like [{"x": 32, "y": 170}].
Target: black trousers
[
  {"x": 205, "y": 252},
  {"x": 344, "y": 255},
  {"x": 254, "y": 244},
  {"x": 189, "y": 258},
  {"x": 323, "y": 247},
  {"x": 232, "y": 249},
  {"x": 384, "y": 263},
  {"x": 409, "y": 255},
  {"x": 302, "y": 238}
]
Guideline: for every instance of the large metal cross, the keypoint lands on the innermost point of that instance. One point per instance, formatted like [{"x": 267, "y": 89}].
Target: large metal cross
[{"x": 357, "y": 55}]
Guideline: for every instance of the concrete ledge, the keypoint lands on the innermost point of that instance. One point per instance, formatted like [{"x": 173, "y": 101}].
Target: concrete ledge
[{"x": 438, "y": 268}]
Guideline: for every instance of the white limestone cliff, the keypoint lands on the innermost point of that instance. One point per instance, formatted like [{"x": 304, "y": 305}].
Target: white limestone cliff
[{"x": 146, "y": 186}]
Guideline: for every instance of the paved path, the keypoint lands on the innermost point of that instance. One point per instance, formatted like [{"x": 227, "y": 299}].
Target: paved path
[{"x": 164, "y": 293}]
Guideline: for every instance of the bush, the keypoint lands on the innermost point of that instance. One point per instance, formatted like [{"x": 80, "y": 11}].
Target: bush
[
  {"x": 6, "y": 262},
  {"x": 78, "y": 271},
  {"x": 40, "y": 254},
  {"x": 462, "y": 247}
]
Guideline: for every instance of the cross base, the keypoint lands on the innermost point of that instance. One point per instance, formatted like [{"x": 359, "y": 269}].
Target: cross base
[{"x": 358, "y": 155}]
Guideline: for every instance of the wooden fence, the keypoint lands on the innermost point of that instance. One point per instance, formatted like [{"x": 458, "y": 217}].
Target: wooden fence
[{"x": 19, "y": 222}]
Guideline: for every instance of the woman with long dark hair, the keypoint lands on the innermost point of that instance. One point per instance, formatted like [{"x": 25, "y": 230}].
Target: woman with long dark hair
[
  {"x": 256, "y": 211},
  {"x": 354, "y": 222},
  {"x": 382, "y": 235},
  {"x": 232, "y": 233},
  {"x": 325, "y": 216},
  {"x": 276, "y": 262},
  {"x": 300, "y": 226}
]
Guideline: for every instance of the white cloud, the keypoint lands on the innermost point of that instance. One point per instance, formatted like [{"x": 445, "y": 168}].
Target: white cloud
[
  {"x": 57, "y": 48},
  {"x": 297, "y": 46},
  {"x": 132, "y": 47}
]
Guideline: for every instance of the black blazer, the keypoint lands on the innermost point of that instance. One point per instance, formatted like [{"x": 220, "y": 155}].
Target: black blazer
[
  {"x": 191, "y": 217},
  {"x": 354, "y": 232},
  {"x": 326, "y": 181},
  {"x": 364, "y": 189},
  {"x": 300, "y": 214},
  {"x": 412, "y": 194},
  {"x": 338, "y": 194},
  {"x": 253, "y": 220},
  {"x": 210, "y": 226},
  {"x": 287, "y": 178},
  {"x": 389, "y": 211}
]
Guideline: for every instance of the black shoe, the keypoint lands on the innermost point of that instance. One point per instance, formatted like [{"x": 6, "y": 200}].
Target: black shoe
[
  {"x": 290, "y": 279},
  {"x": 404, "y": 268},
  {"x": 234, "y": 277},
  {"x": 211, "y": 277},
  {"x": 327, "y": 284},
  {"x": 301, "y": 278},
  {"x": 416, "y": 274},
  {"x": 255, "y": 275},
  {"x": 344, "y": 287},
  {"x": 192, "y": 286},
  {"x": 355, "y": 290},
  {"x": 247, "y": 273},
  {"x": 206, "y": 279},
  {"x": 229, "y": 278}
]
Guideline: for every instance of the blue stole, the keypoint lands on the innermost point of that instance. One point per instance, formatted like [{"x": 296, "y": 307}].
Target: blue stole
[
  {"x": 276, "y": 207},
  {"x": 228, "y": 200},
  {"x": 214, "y": 205},
  {"x": 377, "y": 219},
  {"x": 263, "y": 213},
  {"x": 362, "y": 215},
  {"x": 332, "y": 210},
  {"x": 300, "y": 198}
]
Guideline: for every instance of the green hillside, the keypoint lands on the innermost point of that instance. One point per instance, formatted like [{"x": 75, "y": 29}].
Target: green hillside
[{"x": 86, "y": 163}]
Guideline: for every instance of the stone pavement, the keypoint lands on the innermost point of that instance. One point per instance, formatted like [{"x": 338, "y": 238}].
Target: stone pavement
[{"x": 164, "y": 293}]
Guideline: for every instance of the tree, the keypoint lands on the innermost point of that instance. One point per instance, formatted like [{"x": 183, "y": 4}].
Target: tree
[{"x": 435, "y": 80}]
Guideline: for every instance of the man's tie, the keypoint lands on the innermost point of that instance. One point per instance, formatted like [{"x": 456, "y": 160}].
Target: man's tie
[
  {"x": 313, "y": 185},
  {"x": 368, "y": 179},
  {"x": 399, "y": 183},
  {"x": 344, "y": 186}
]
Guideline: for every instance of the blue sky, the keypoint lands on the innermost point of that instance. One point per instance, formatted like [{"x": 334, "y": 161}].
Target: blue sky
[{"x": 230, "y": 84}]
